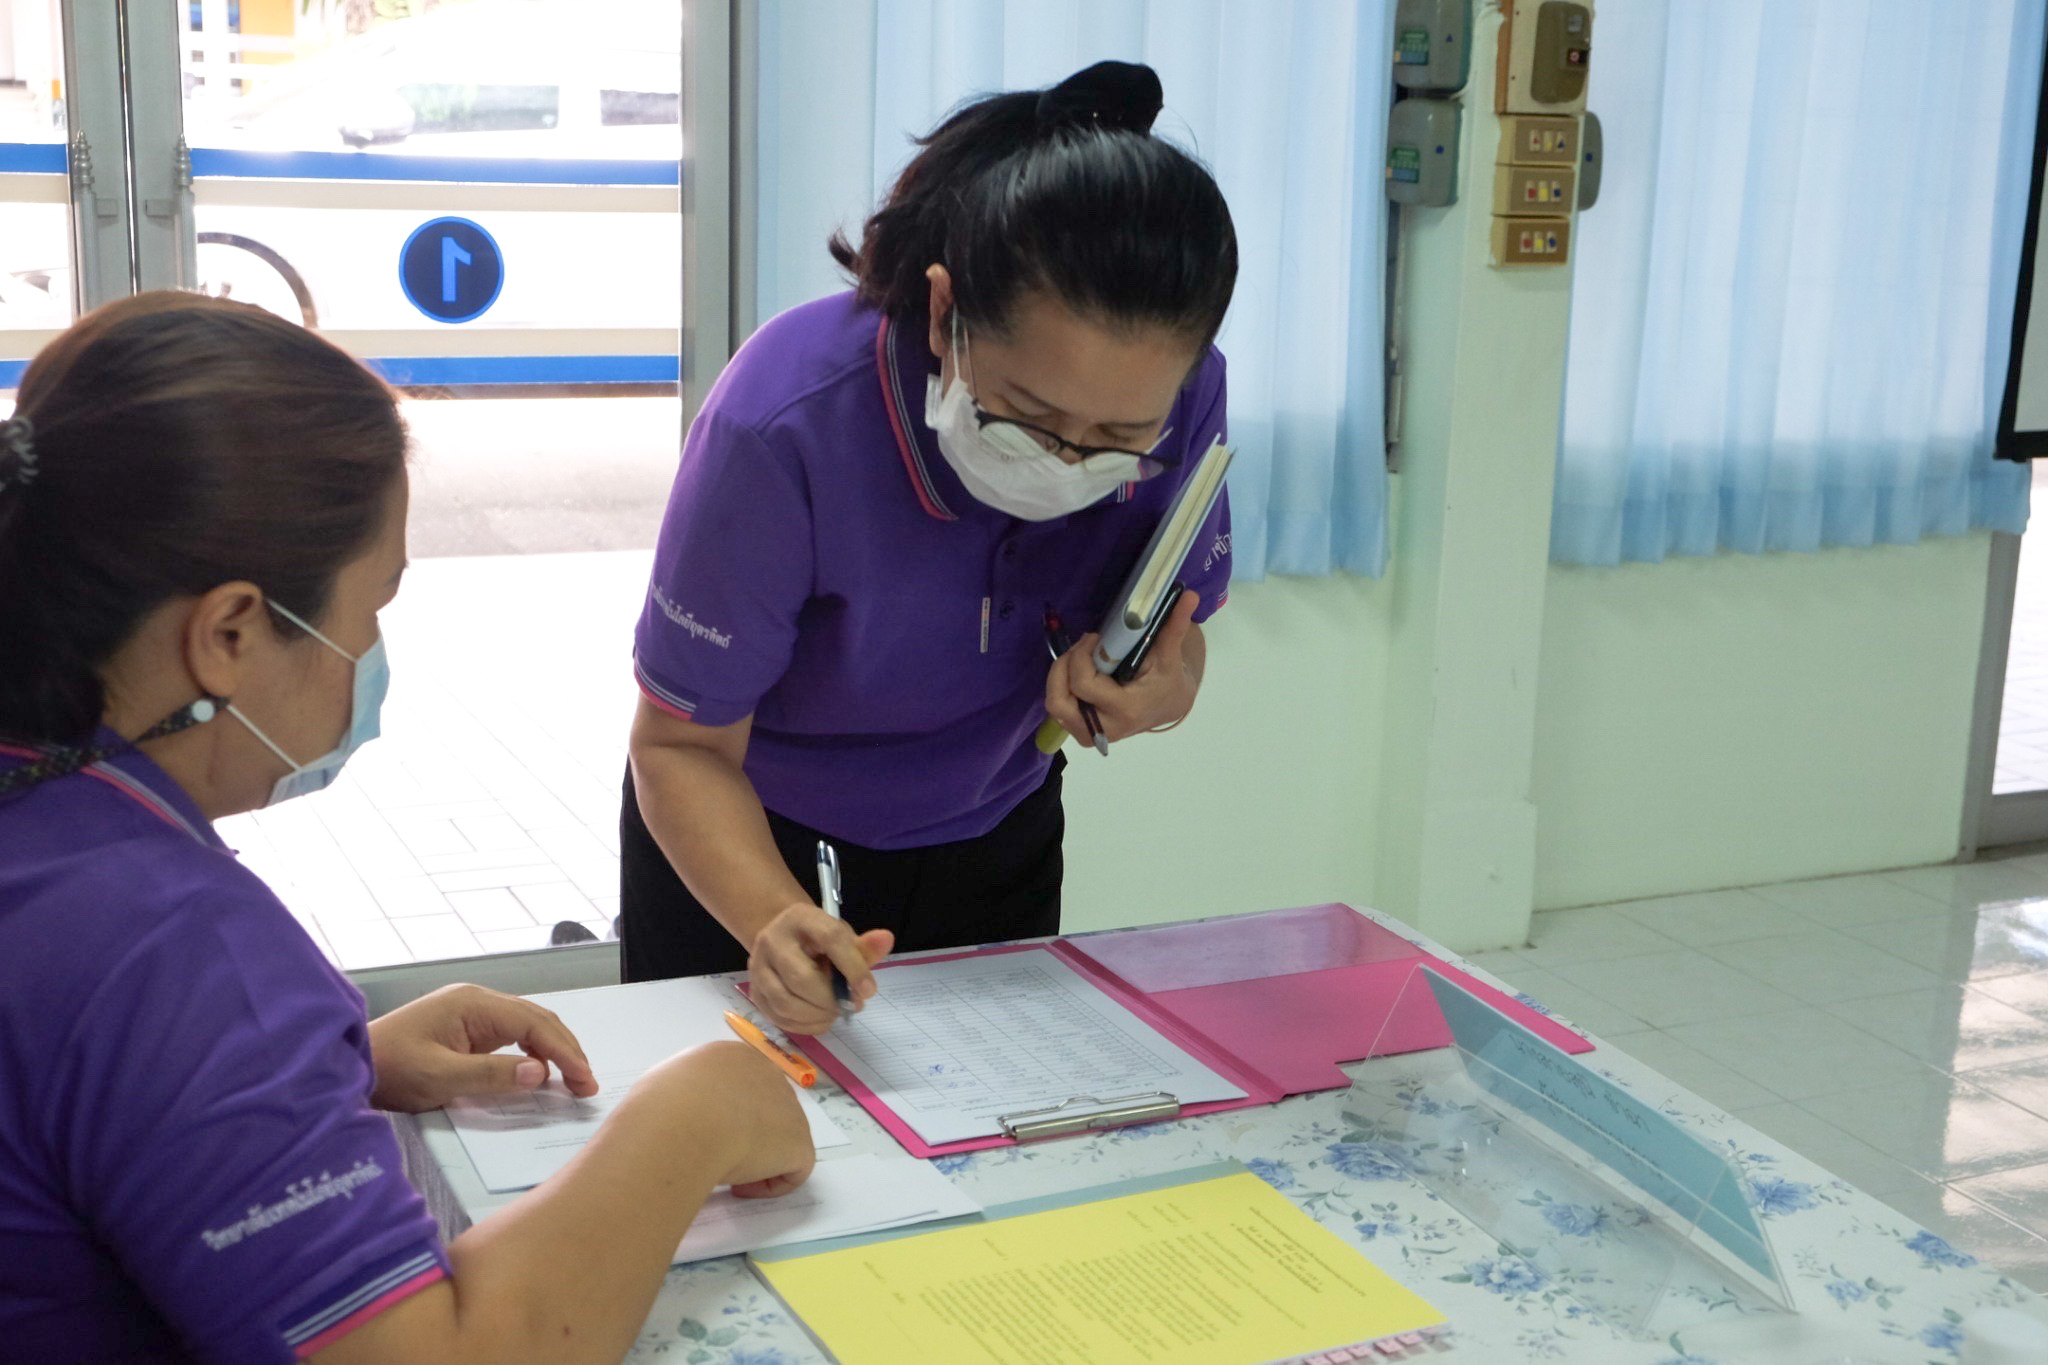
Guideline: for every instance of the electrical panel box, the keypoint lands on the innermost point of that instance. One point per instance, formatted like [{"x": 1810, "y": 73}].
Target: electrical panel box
[
  {"x": 1545, "y": 50},
  {"x": 1590, "y": 161},
  {"x": 1422, "y": 152},
  {"x": 1532, "y": 241},
  {"x": 1432, "y": 44},
  {"x": 1534, "y": 189},
  {"x": 1527, "y": 141},
  {"x": 1564, "y": 44}
]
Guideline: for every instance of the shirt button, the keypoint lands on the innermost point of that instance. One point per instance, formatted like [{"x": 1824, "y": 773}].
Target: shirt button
[
  {"x": 1008, "y": 610},
  {"x": 1009, "y": 552}
]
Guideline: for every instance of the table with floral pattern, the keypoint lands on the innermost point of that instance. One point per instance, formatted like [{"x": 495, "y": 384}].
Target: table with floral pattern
[{"x": 1868, "y": 1284}]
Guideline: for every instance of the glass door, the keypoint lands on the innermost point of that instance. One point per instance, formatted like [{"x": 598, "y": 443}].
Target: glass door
[
  {"x": 2006, "y": 791},
  {"x": 2022, "y": 763},
  {"x": 2008, "y": 777},
  {"x": 38, "y": 272},
  {"x": 486, "y": 201},
  {"x": 481, "y": 198}
]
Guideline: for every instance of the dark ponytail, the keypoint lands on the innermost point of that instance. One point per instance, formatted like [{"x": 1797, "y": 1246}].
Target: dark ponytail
[
  {"x": 176, "y": 443},
  {"x": 1063, "y": 190}
]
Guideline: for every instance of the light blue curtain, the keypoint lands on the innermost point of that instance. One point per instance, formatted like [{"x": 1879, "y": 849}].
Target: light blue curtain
[
  {"x": 1791, "y": 306},
  {"x": 1285, "y": 100}
]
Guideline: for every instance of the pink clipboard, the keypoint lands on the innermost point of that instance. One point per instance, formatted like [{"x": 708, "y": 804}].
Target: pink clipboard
[{"x": 1274, "y": 1002}]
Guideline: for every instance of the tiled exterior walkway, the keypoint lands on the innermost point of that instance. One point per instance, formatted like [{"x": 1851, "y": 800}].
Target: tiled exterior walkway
[{"x": 489, "y": 809}]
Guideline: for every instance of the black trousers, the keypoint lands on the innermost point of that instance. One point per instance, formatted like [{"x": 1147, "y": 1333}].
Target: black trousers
[{"x": 1003, "y": 885}]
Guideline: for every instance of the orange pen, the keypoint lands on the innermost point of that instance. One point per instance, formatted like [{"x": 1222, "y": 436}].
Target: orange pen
[{"x": 795, "y": 1064}]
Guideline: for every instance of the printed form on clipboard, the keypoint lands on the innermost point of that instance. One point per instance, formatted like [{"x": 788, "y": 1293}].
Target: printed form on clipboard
[
  {"x": 991, "y": 1045},
  {"x": 1274, "y": 1003}
]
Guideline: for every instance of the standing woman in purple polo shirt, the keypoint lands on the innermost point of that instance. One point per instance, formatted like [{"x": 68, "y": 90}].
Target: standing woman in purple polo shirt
[
  {"x": 202, "y": 509},
  {"x": 884, "y": 500}
]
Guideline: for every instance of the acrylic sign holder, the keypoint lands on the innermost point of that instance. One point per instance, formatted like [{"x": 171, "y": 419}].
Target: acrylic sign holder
[{"x": 1641, "y": 1220}]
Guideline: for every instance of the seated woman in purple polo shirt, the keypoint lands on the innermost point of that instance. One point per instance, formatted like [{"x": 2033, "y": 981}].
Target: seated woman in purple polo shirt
[
  {"x": 202, "y": 509},
  {"x": 885, "y": 500}
]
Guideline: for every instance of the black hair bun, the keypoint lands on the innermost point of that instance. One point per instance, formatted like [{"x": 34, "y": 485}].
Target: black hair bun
[{"x": 1125, "y": 96}]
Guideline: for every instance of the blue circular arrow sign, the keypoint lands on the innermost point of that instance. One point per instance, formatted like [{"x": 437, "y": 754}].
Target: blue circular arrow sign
[{"x": 451, "y": 269}]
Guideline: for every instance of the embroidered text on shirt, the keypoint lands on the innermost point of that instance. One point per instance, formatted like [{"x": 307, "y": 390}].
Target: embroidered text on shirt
[
  {"x": 299, "y": 1196},
  {"x": 690, "y": 623}
]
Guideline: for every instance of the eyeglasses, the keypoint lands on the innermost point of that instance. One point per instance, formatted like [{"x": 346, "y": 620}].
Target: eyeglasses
[{"x": 1023, "y": 439}]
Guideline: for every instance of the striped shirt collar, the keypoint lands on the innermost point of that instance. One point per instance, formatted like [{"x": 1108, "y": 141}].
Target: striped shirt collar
[
  {"x": 139, "y": 780},
  {"x": 902, "y": 375}
]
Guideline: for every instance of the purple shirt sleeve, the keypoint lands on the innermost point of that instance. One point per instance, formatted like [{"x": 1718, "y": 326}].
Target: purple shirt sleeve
[
  {"x": 215, "y": 1132},
  {"x": 732, "y": 570},
  {"x": 1206, "y": 570}
]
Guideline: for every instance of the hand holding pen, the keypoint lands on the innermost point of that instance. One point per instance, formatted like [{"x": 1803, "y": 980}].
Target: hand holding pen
[
  {"x": 1058, "y": 643},
  {"x": 794, "y": 958}
]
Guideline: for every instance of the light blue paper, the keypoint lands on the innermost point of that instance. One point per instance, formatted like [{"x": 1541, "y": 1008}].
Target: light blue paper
[{"x": 1092, "y": 1194}]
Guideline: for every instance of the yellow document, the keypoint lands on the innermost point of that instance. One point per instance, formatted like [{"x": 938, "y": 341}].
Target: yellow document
[{"x": 1218, "y": 1272}]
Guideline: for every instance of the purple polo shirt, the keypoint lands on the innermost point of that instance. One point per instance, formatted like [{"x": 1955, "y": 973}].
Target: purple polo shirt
[
  {"x": 189, "y": 1165},
  {"x": 822, "y": 569}
]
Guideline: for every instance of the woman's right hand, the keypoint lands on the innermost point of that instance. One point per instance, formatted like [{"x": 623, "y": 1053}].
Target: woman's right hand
[
  {"x": 792, "y": 985},
  {"x": 767, "y": 1148}
]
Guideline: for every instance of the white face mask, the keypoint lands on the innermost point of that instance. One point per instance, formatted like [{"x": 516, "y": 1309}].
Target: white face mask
[{"x": 1004, "y": 468}]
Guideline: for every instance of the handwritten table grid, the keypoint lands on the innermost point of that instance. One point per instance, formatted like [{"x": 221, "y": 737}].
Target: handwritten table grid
[{"x": 980, "y": 1044}]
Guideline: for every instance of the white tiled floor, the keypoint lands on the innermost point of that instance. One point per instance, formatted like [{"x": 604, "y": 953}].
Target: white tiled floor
[{"x": 1894, "y": 1027}]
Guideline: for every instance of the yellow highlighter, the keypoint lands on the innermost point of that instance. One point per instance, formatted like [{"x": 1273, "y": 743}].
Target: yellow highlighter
[{"x": 793, "y": 1064}]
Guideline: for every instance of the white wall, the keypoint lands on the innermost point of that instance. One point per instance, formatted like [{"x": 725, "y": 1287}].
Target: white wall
[
  {"x": 1700, "y": 724},
  {"x": 1267, "y": 795},
  {"x": 1751, "y": 718}
]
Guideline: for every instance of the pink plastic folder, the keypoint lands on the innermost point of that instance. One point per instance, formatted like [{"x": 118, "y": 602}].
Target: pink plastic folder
[{"x": 1275, "y": 1002}]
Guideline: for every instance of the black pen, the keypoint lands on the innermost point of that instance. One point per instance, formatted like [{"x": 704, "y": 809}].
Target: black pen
[{"x": 1058, "y": 642}]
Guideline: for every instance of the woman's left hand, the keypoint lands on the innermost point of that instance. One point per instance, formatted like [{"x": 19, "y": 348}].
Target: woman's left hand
[
  {"x": 444, "y": 1045},
  {"x": 1162, "y": 694}
]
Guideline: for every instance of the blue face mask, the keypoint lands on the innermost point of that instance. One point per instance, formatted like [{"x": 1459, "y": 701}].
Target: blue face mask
[{"x": 373, "y": 681}]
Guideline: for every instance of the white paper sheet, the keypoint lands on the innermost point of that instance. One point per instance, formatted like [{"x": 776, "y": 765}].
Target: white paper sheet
[
  {"x": 517, "y": 1141},
  {"x": 953, "y": 1046},
  {"x": 844, "y": 1196}
]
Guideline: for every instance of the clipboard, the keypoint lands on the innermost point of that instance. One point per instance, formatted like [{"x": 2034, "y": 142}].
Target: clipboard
[
  {"x": 1074, "y": 1114},
  {"x": 1275, "y": 1002},
  {"x": 1089, "y": 1114}
]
